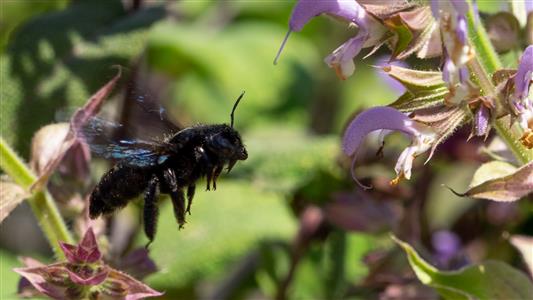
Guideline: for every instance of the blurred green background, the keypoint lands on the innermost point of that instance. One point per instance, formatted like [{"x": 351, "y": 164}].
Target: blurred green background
[{"x": 198, "y": 56}]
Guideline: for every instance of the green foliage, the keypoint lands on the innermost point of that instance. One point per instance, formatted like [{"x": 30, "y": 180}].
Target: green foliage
[
  {"x": 224, "y": 225},
  {"x": 9, "y": 282},
  {"x": 57, "y": 60},
  {"x": 282, "y": 159},
  {"x": 492, "y": 280},
  {"x": 325, "y": 272},
  {"x": 13, "y": 13},
  {"x": 216, "y": 65},
  {"x": 491, "y": 170}
]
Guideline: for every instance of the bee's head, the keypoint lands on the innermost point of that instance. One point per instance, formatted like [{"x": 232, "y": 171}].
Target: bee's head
[{"x": 226, "y": 142}]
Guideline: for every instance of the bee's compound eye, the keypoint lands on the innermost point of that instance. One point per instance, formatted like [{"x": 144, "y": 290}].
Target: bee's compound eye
[{"x": 222, "y": 144}]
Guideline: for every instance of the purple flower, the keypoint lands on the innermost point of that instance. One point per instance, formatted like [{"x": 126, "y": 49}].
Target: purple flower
[
  {"x": 387, "y": 118},
  {"x": 83, "y": 276},
  {"x": 522, "y": 105},
  {"x": 370, "y": 30},
  {"x": 385, "y": 62},
  {"x": 454, "y": 30},
  {"x": 481, "y": 126},
  {"x": 524, "y": 75}
]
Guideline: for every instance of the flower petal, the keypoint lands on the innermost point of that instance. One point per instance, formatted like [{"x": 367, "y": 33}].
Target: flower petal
[
  {"x": 305, "y": 10},
  {"x": 524, "y": 74},
  {"x": 376, "y": 118},
  {"x": 342, "y": 58}
]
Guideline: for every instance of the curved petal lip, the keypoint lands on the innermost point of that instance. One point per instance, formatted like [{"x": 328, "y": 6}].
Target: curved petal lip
[{"x": 373, "y": 119}]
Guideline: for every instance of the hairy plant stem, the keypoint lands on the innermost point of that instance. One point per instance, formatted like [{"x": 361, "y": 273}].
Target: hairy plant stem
[
  {"x": 485, "y": 63},
  {"x": 41, "y": 202}
]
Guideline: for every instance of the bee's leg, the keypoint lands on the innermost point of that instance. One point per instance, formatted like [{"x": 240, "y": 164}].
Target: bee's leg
[
  {"x": 208, "y": 178},
  {"x": 216, "y": 172},
  {"x": 190, "y": 196},
  {"x": 151, "y": 210},
  {"x": 178, "y": 201},
  {"x": 176, "y": 194}
]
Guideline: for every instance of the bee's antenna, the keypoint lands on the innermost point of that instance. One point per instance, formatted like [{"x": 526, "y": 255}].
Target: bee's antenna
[{"x": 235, "y": 106}]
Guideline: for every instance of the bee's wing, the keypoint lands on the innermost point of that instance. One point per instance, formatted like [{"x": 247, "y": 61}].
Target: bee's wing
[
  {"x": 97, "y": 133},
  {"x": 143, "y": 110}
]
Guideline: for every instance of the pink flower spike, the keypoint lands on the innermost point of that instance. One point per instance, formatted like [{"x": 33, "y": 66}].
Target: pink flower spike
[{"x": 379, "y": 118}]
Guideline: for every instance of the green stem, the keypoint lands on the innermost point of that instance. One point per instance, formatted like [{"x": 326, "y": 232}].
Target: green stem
[
  {"x": 485, "y": 63},
  {"x": 41, "y": 202}
]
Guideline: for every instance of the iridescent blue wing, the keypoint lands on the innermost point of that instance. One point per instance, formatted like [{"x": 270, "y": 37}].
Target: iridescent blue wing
[{"x": 98, "y": 132}]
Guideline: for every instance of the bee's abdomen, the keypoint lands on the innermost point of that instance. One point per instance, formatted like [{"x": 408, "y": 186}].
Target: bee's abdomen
[{"x": 116, "y": 188}]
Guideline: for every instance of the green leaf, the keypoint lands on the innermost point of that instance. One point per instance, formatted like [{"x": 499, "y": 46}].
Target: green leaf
[
  {"x": 409, "y": 101},
  {"x": 403, "y": 34},
  {"x": 415, "y": 80},
  {"x": 511, "y": 187},
  {"x": 492, "y": 280},
  {"x": 491, "y": 170},
  {"x": 10, "y": 279},
  {"x": 425, "y": 89}
]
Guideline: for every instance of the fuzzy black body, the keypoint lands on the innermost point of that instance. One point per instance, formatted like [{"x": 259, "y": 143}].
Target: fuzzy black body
[{"x": 169, "y": 167}]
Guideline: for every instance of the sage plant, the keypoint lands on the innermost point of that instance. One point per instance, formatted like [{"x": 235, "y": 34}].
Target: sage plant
[{"x": 468, "y": 87}]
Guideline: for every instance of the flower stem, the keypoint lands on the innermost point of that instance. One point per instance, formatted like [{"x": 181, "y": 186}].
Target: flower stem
[
  {"x": 41, "y": 202},
  {"x": 485, "y": 63}
]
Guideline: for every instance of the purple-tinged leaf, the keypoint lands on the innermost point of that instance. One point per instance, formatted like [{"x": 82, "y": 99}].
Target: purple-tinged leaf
[
  {"x": 415, "y": 80},
  {"x": 50, "y": 280},
  {"x": 506, "y": 188},
  {"x": 86, "y": 252},
  {"x": 88, "y": 248},
  {"x": 80, "y": 117},
  {"x": 524, "y": 244},
  {"x": 443, "y": 120},
  {"x": 122, "y": 286},
  {"x": 87, "y": 275},
  {"x": 70, "y": 252},
  {"x": 11, "y": 195}
]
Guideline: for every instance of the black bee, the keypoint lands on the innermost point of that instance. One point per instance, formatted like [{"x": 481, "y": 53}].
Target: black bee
[{"x": 167, "y": 167}]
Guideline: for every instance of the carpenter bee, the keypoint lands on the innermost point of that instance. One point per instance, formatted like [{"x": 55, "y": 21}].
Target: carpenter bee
[{"x": 166, "y": 166}]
